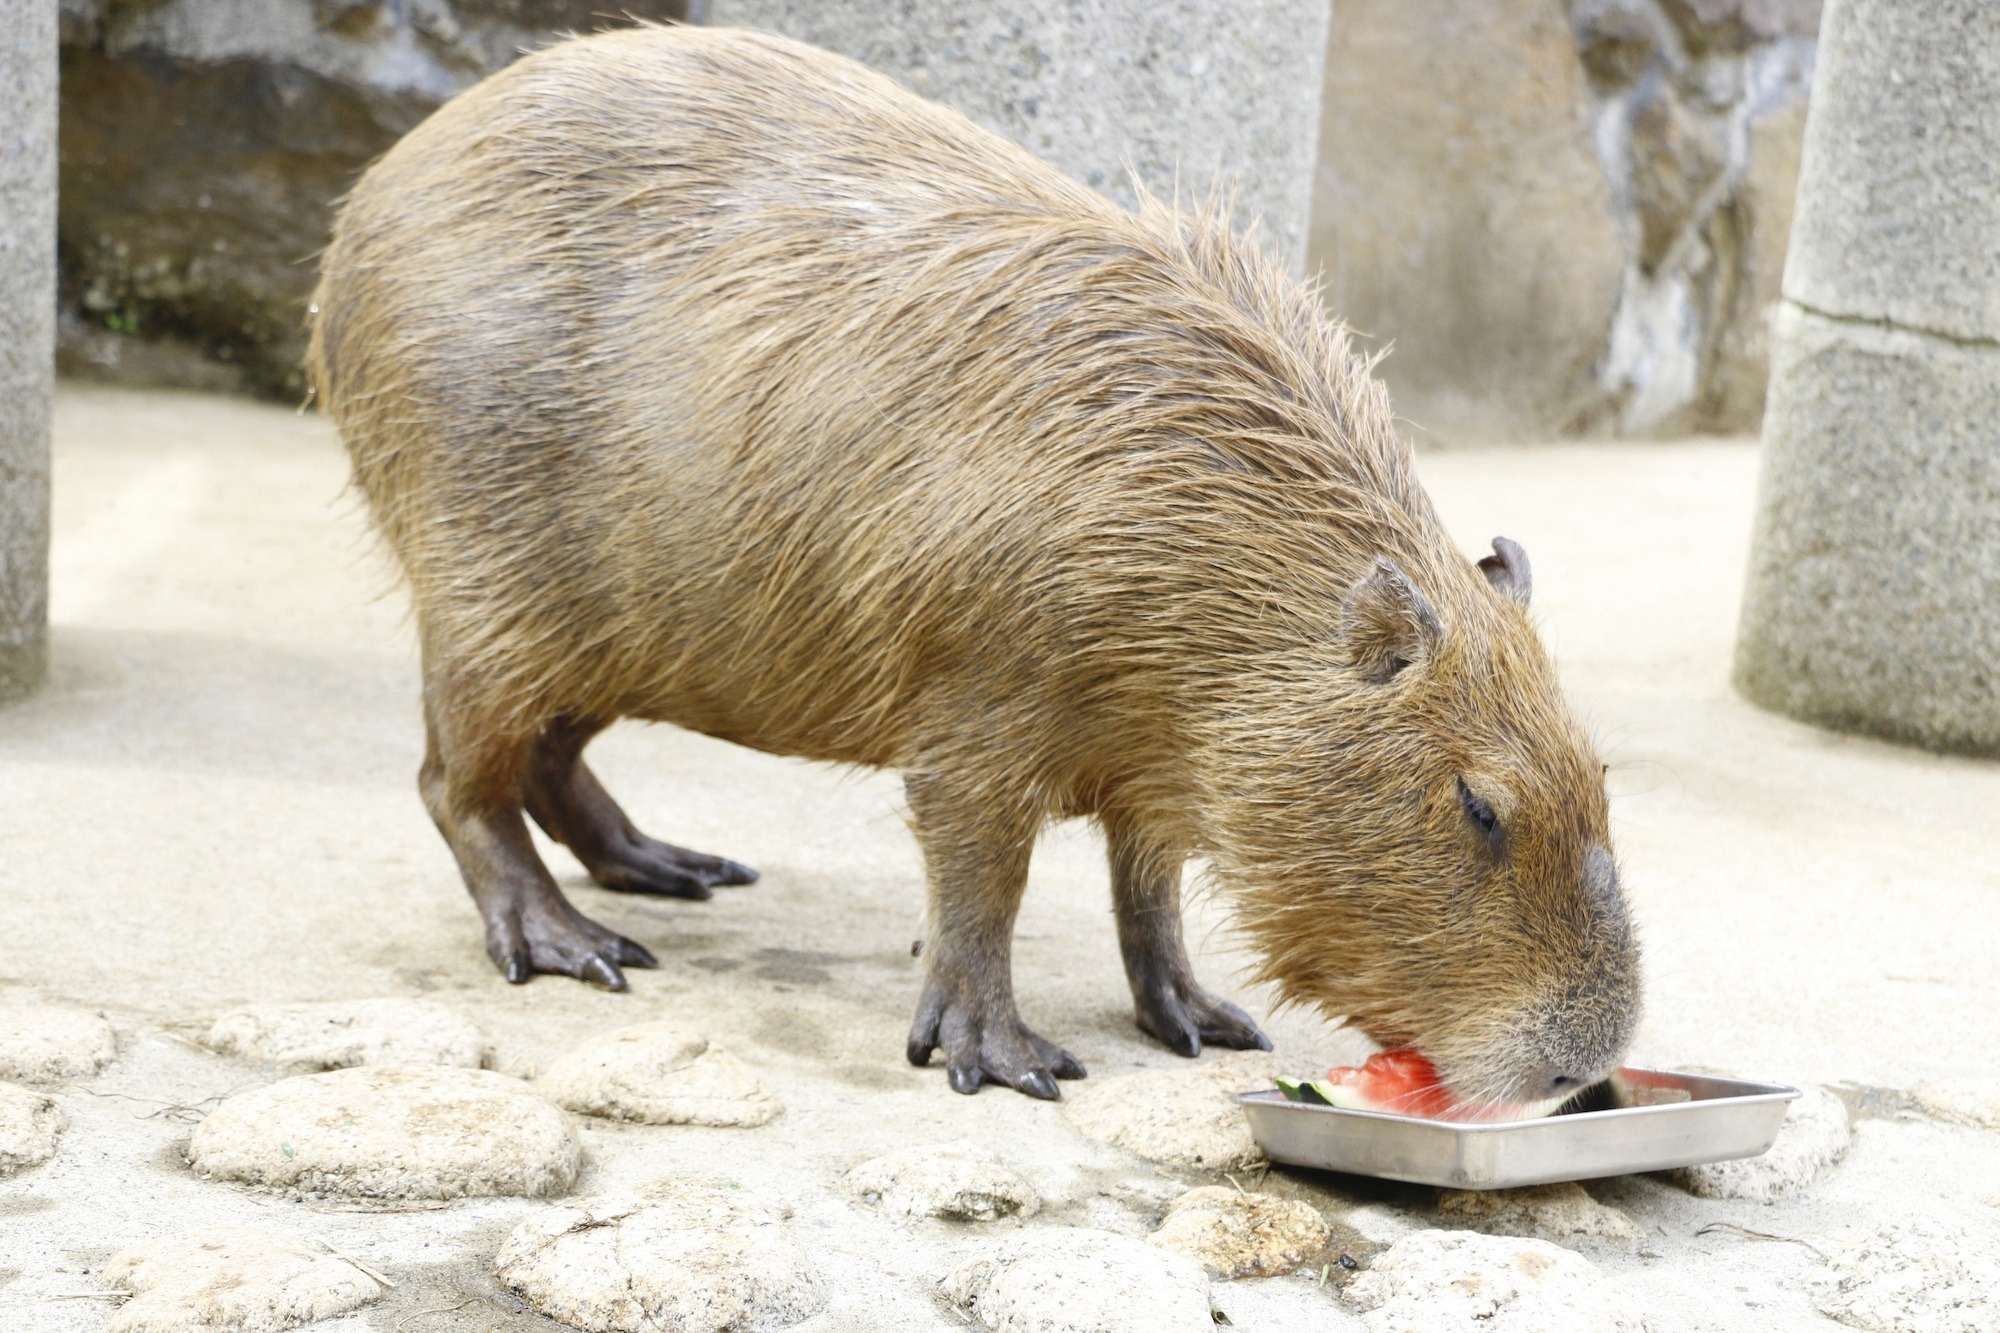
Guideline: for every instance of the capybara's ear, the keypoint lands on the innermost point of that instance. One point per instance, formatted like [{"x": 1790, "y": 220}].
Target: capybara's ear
[
  {"x": 1387, "y": 622},
  {"x": 1507, "y": 569}
]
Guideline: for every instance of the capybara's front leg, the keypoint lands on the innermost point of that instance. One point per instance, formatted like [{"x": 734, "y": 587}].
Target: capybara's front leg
[
  {"x": 1146, "y": 895},
  {"x": 976, "y": 862},
  {"x": 471, "y": 782},
  {"x": 572, "y": 807}
]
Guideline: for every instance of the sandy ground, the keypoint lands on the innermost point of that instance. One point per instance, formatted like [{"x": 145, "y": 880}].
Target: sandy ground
[{"x": 213, "y": 803}]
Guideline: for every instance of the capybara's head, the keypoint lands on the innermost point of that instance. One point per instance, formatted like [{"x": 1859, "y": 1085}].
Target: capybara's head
[{"x": 1416, "y": 829}]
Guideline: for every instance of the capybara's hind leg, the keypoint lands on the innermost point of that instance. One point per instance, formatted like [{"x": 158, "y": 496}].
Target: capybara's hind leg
[
  {"x": 572, "y": 807},
  {"x": 471, "y": 782},
  {"x": 976, "y": 863},
  {"x": 1146, "y": 895}
]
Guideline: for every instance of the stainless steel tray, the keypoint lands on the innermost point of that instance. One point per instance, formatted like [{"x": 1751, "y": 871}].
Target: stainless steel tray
[{"x": 1653, "y": 1119}]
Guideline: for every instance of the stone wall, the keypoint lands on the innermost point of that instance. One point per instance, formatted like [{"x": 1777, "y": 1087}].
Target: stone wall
[
  {"x": 1568, "y": 218},
  {"x": 204, "y": 141},
  {"x": 1197, "y": 95}
]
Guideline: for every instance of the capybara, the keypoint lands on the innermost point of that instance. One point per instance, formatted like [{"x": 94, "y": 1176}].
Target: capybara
[{"x": 703, "y": 377}]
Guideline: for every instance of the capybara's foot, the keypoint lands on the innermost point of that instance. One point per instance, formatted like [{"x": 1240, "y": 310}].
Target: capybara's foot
[
  {"x": 639, "y": 864},
  {"x": 551, "y": 936},
  {"x": 987, "y": 1043},
  {"x": 1182, "y": 1016}
]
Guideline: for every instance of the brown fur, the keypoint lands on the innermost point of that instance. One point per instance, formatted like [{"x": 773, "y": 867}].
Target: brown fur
[{"x": 703, "y": 377}]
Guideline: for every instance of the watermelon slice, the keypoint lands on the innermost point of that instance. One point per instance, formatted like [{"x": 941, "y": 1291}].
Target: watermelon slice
[{"x": 1403, "y": 1082}]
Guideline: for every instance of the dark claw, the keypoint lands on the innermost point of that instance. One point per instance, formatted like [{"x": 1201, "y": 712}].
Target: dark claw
[
  {"x": 1037, "y": 1083},
  {"x": 675, "y": 885},
  {"x": 601, "y": 971},
  {"x": 734, "y": 872},
  {"x": 631, "y": 953},
  {"x": 1183, "y": 1018},
  {"x": 965, "y": 1080},
  {"x": 924, "y": 1028},
  {"x": 519, "y": 969},
  {"x": 1229, "y": 1025},
  {"x": 1167, "y": 1022},
  {"x": 1069, "y": 1067}
]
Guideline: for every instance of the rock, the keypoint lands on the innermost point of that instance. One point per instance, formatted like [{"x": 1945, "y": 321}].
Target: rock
[
  {"x": 1877, "y": 439},
  {"x": 1234, "y": 1234},
  {"x": 1198, "y": 94},
  {"x": 50, "y": 1043},
  {"x": 1913, "y": 1275},
  {"x": 1185, "y": 1116},
  {"x": 391, "y": 1132},
  {"x": 1075, "y": 1280},
  {"x": 1676, "y": 156},
  {"x": 675, "y": 1257},
  {"x": 958, "y": 1181},
  {"x": 1813, "y": 1137},
  {"x": 659, "y": 1074},
  {"x": 1553, "y": 1212},
  {"x": 1456, "y": 174},
  {"x": 30, "y": 1124},
  {"x": 234, "y": 1280},
  {"x": 1734, "y": 24},
  {"x": 1962, "y": 1102},
  {"x": 1755, "y": 229},
  {"x": 203, "y": 143},
  {"x": 342, "y": 1033},
  {"x": 1438, "y": 1280}
]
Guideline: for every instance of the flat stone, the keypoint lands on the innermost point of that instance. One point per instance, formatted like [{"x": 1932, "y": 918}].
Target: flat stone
[
  {"x": 30, "y": 1124},
  {"x": 1185, "y": 1116},
  {"x": 1961, "y": 1101},
  {"x": 1814, "y": 1137},
  {"x": 339, "y": 1034},
  {"x": 392, "y": 1132},
  {"x": 659, "y": 1074},
  {"x": 232, "y": 1281},
  {"x": 962, "y": 1182},
  {"x": 1913, "y": 1275},
  {"x": 1076, "y": 1280},
  {"x": 674, "y": 1257},
  {"x": 1234, "y": 1234},
  {"x": 51, "y": 1043},
  {"x": 1437, "y": 1280},
  {"x": 1552, "y": 1212}
]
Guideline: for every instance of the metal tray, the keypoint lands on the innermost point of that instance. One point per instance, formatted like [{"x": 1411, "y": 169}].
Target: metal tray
[{"x": 1651, "y": 1119}]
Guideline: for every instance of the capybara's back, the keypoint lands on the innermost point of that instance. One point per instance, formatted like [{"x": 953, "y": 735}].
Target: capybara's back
[{"x": 702, "y": 377}]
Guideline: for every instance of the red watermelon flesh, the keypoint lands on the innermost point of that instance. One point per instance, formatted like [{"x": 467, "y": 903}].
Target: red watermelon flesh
[{"x": 1403, "y": 1082}]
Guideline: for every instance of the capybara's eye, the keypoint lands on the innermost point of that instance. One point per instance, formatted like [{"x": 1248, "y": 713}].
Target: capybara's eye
[{"x": 1480, "y": 813}]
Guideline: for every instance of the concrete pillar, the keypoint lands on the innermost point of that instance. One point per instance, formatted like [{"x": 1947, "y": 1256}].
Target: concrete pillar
[
  {"x": 1873, "y": 601},
  {"x": 1210, "y": 90},
  {"x": 27, "y": 334}
]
